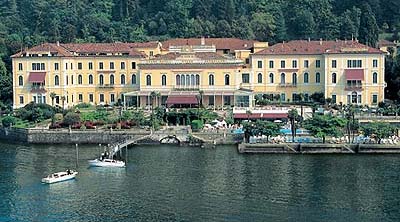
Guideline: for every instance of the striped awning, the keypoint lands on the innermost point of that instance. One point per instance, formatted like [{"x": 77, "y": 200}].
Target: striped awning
[
  {"x": 354, "y": 74},
  {"x": 181, "y": 100},
  {"x": 37, "y": 77},
  {"x": 260, "y": 116}
]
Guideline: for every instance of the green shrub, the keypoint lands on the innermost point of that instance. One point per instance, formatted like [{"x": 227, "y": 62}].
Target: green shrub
[
  {"x": 8, "y": 121},
  {"x": 83, "y": 105},
  {"x": 197, "y": 125},
  {"x": 71, "y": 118}
]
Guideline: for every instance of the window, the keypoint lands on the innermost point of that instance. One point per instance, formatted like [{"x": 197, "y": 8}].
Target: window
[
  {"x": 375, "y": 78},
  {"x": 283, "y": 97},
  {"x": 374, "y": 99},
  {"x": 101, "y": 65},
  {"x": 80, "y": 97},
  {"x": 334, "y": 63},
  {"x": 66, "y": 80},
  {"x": 211, "y": 100},
  {"x": 21, "y": 99},
  {"x": 271, "y": 64},
  {"x": 56, "y": 80},
  {"x": 333, "y": 99},
  {"x": 245, "y": 78},
  {"x": 112, "y": 98},
  {"x": 192, "y": 80},
  {"x": 354, "y": 63},
  {"x": 133, "y": 65},
  {"x": 56, "y": 66},
  {"x": 90, "y": 79},
  {"x": 178, "y": 80},
  {"x": 197, "y": 80},
  {"x": 211, "y": 80},
  {"x": 334, "y": 80},
  {"x": 72, "y": 66},
  {"x": 112, "y": 81},
  {"x": 72, "y": 80},
  {"x": 271, "y": 78},
  {"x": 375, "y": 63},
  {"x": 102, "y": 98},
  {"x": 66, "y": 66},
  {"x": 38, "y": 66},
  {"x": 90, "y": 65},
  {"x": 305, "y": 77},
  {"x": 20, "y": 67},
  {"x": 259, "y": 64},
  {"x": 227, "y": 100},
  {"x": 283, "y": 64},
  {"x": 151, "y": 53},
  {"x": 91, "y": 98},
  {"x": 122, "y": 79},
  {"x": 79, "y": 65},
  {"x": 133, "y": 79},
  {"x": 101, "y": 80},
  {"x": 318, "y": 64},
  {"x": 148, "y": 80},
  {"x": 111, "y": 65},
  {"x": 163, "y": 80},
  {"x": 317, "y": 77},
  {"x": 306, "y": 64},
  {"x": 20, "y": 81},
  {"x": 283, "y": 80},
  {"x": 122, "y": 65},
  {"x": 259, "y": 78},
  {"x": 80, "y": 79},
  {"x": 294, "y": 78},
  {"x": 226, "y": 79},
  {"x": 294, "y": 64}
]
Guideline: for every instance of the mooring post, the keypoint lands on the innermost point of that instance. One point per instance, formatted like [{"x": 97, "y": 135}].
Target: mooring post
[
  {"x": 126, "y": 154},
  {"x": 77, "y": 154},
  {"x": 99, "y": 150}
]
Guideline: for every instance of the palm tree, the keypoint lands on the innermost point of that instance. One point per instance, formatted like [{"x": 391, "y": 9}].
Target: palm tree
[
  {"x": 63, "y": 100},
  {"x": 293, "y": 115},
  {"x": 201, "y": 93},
  {"x": 153, "y": 96},
  {"x": 301, "y": 98},
  {"x": 52, "y": 96}
]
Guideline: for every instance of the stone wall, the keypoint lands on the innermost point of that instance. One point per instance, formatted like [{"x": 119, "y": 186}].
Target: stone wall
[{"x": 45, "y": 136}]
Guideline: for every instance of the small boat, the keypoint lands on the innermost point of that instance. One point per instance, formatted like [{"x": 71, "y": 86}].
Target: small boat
[
  {"x": 106, "y": 163},
  {"x": 60, "y": 176}
]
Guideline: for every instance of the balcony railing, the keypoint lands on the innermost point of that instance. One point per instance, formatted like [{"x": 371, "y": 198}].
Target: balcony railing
[
  {"x": 287, "y": 84},
  {"x": 38, "y": 89},
  {"x": 186, "y": 88},
  {"x": 351, "y": 87},
  {"x": 106, "y": 86}
]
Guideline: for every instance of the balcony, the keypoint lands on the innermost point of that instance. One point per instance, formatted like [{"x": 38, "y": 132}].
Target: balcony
[
  {"x": 38, "y": 89},
  {"x": 186, "y": 88},
  {"x": 287, "y": 85},
  {"x": 105, "y": 86},
  {"x": 351, "y": 87}
]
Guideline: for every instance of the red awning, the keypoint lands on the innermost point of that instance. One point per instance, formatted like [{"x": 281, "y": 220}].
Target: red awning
[
  {"x": 37, "y": 77},
  {"x": 172, "y": 100},
  {"x": 354, "y": 74},
  {"x": 260, "y": 116}
]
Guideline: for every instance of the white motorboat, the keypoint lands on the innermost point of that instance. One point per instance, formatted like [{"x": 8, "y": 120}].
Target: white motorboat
[
  {"x": 60, "y": 176},
  {"x": 106, "y": 163}
]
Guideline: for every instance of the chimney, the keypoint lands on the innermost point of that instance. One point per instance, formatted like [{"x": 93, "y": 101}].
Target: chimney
[
  {"x": 203, "y": 40},
  {"x": 58, "y": 43},
  {"x": 320, "y": 41},
  {"x": 309, "y": 39}
]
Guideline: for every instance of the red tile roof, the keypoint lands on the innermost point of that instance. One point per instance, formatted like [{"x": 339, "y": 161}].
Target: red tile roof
[
  {"x": 45, "y": 47},
  {"x": 200, "y": 55},
  {"x": 103, "y": 48},
  {"x": 304, "y": 47},
  {"x": 386, "y": 43},
  {"x": 231, "y": 44}
]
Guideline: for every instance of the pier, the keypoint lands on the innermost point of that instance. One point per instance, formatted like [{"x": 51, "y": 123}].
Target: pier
[{"x": 317, "y": 148}]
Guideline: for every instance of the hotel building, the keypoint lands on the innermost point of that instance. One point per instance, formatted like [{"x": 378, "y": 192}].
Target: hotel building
[{"x": 216, "y": 72}]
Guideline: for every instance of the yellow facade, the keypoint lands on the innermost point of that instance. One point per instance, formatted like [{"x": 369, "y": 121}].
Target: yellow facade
[{"x": 101, "y": 76}]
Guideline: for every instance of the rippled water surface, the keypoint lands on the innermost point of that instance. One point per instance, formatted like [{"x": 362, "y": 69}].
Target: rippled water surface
[{"x": 164, "y": 183}]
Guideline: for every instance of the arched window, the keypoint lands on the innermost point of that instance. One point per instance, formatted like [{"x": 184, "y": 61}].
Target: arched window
[
  {"x": 72, "y": 80},
  {"x": 20, "y": 81},
  {"x": 283, "y": 80},
  {"x": 211, "y": 80},
  {"x": 271, "y": 78},
  {"x": 192, "y": 80},
  {"x": 305, "y": 77},
  {"x": 188, "y": 80},
  {"x": 294, "y": 78},
  {"x": 56, "y": 80},
  {"x": 183, "y": 80},
  {"x": 101, "y": 80},
  {"x": 226, "y": 79},
  {"x": 80, "y": 79},
  {"x": 133, "y": 81},
  {"x": 334, "y": 78},
  {"x": 197, "y": 80},
  {"x": 90, "y": 79},
  {"x": 148, "y": 80},
  {"x": 122, "y": 79},
  {"x": 178, "y": 80},
  {"x": 164, "y": 80},
  {"x": 318, "y": 77},
  {"x": 375, "y": 78},
  {"x": 112, "y": 80},
  {"x": 259, "y": 78}
]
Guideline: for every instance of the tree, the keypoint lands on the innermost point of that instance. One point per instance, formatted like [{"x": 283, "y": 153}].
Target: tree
[
  {"x": 325, "y": 125},
  {"x": 71, "y": 118},
  {"x": 5, "y": 84},
  {"x": 52, "y": 96},
  {"x": 63, "y": 98},
  {"x": 369, "y": 31},
  {"x": 379, "y": 130}
]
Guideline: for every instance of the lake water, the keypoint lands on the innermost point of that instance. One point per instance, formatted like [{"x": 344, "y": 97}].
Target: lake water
[{"x": 166, "y": 183}]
